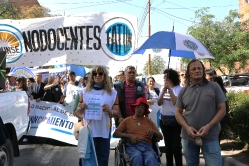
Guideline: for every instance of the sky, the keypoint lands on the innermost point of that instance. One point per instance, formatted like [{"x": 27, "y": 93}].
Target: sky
[{"x": 164, "y": 13}]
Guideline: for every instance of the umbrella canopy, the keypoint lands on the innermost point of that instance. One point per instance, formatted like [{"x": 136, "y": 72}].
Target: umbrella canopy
[{"x": 180, "y": 45}]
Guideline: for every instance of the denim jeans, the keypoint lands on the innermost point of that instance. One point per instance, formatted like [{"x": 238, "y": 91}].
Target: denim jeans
[
  {"x": 102, "y": 148},
  {"x": 210, "y": 150},
  {"x": 141, "y": 154}
]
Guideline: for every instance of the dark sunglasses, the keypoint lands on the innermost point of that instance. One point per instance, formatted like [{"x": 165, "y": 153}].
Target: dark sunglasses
[
  {"x": 99, "y": 73},
  {"x": 85, "y": 78}
]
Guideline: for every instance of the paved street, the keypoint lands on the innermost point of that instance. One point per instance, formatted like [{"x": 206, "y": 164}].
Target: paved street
[{"x": 47, "y": 152}]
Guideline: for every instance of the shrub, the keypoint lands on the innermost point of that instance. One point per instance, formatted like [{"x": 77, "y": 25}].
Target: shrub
[{"x": 238, "y": 121}]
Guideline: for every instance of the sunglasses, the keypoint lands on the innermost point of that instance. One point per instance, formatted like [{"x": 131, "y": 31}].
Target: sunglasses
[
  {"x": 131, "y": 72},
  {"x": 99, "y": 73},
  {"x": 85, "y": 78}
]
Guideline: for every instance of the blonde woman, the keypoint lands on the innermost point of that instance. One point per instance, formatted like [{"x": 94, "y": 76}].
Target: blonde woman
[{"x": 100, "y": 97}]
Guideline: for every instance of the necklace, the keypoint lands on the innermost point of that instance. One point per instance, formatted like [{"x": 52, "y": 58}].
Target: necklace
[{"x": 137, "y": 123}]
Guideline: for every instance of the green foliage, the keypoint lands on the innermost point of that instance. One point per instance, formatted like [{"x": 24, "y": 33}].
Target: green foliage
[
  {"x": 157, "y": 65},
  {"x": 227, "y": 40},
  {"x": 8, "y": 11},
  {"x": 238, "y": 123},
  {"x": 34, "y": 12}
]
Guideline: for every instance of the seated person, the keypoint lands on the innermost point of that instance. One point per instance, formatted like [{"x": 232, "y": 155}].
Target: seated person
[{"x": 138, "y": 131}]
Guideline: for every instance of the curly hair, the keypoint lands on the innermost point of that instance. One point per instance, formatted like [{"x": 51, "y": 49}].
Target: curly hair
[
  {"x": 22, "y": 84},
  {"x": 106, "y": 82},
  {"x": 173, "y": 75},
  {"x": 187, "y": 75}
]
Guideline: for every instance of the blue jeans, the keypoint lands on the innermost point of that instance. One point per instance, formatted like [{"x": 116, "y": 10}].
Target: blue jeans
[
  {"x": 210, "y": 150},
  {"x": 141, "y": 154},
  {"x": 102, "y": 148}
]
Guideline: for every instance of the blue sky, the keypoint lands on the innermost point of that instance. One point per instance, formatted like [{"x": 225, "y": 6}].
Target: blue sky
[{"x": 164, "y": 13}]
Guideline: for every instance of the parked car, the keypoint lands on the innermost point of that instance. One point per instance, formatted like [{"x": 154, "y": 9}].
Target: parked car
[
  {"x": 14, "y": 123},
  {"x": 235, "y": 79}
]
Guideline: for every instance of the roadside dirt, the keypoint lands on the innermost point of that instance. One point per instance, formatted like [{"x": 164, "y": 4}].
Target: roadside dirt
[{"x": 235, "y": 150}]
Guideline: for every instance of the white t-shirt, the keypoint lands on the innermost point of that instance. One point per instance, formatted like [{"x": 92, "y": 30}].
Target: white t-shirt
[
  {"x": 153, "y": 94},
  {"x": 168, "y": 108},
  {"x": 100, "y": 128}
]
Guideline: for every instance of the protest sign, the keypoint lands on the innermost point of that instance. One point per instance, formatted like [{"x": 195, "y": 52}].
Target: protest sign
[{"x": 52, "y": 120}]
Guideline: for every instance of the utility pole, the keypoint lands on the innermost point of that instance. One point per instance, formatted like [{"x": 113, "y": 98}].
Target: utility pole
[{"x": 149, "y": 67}]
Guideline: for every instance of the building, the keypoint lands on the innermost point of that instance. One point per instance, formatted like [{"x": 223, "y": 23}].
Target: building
[{"x": 244, "y": 9}]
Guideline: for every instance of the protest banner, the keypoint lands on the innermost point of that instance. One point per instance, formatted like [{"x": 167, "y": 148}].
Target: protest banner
[
  {"x": 85, "y": 39},
  {"x": 52, "y": 120}
]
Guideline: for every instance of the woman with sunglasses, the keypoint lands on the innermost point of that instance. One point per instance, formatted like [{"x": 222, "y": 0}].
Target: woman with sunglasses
[{"x": 100, "y": 96}]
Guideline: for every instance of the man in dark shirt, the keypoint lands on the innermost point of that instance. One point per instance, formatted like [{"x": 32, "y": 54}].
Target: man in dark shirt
[
  {"x": 53, "y": 91},
  {"x": 39, "y": 88},
  {"x": 128, "y": 91}
]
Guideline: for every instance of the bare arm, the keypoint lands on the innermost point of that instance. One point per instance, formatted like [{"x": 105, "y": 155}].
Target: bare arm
[
  {"x": 160, "y": 99},
  {"x": 221, "y": 112}
]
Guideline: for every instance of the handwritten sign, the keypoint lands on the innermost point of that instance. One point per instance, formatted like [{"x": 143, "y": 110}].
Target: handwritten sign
[{"x": 94, "y": 110}]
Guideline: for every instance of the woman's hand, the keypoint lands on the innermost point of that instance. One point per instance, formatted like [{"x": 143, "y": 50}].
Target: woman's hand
[
  {"x": 106, "y": 108},
  {"x": 82, "y": 107}
]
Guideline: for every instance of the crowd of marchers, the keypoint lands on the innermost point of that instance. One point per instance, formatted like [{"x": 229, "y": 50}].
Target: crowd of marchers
[{"x": 193, "y": 111}]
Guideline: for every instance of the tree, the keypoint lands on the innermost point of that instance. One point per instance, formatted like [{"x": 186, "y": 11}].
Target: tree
[
  {"x": 227, "y": 40},
  {"x": 157, "y": 65},
  {"x": 34, "y": 12},
  {"x": 8, "y": 11}
]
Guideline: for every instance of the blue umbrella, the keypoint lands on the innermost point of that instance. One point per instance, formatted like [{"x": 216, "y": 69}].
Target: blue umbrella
[{"x": 180, "y": 45}]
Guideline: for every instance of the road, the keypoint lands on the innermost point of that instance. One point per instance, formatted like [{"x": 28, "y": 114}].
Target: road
[{"x": 47, "y": 152}]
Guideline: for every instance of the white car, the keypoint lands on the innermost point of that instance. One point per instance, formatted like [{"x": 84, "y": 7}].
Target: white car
[{"x": 14, "y": 112}]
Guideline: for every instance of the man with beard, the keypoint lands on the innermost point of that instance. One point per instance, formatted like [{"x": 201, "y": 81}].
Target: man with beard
[{"x": 53, "y": 91}]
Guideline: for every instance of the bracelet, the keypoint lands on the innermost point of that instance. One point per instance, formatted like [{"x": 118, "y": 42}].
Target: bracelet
[{"x": 170, "y": 90}]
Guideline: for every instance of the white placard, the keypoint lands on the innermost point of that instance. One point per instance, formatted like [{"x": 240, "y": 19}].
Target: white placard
[
  {"x": 52, "y": 120},
  {"x": 94, "y": 110}
]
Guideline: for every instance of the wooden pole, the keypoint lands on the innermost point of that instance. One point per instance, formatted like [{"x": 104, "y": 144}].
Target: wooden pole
[{"x": 149, "y": 66}]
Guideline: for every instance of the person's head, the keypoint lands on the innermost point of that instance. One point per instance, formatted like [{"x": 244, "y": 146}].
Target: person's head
[
  {"x": 30, "y": 80},
  {"x": 121, "y": 76},
  {"x": 86, "y": 79},
  {"x": 99, "y": 76},
  {"x": 62, "y": 84},
  {"x": 219, "y": 80},
  {"x": 21, "y": 83},
  {"x": 38, "y": 78},
  {"x": 50, "y": 80},
  {"x": 141, "y": 107},
  {"x": 151, "y": 82},
  {"x": 195, "y": 72},
  {"x": 171, "y": 76},
  {"x": 183, "y": 78},
  {"x": 130, "y": 74},
  {"x": 71, "y": 76},
  {"x": 79, "y": 79},
  {"x": 11, "y": 77},
  {"x": 209, "y": 77}
]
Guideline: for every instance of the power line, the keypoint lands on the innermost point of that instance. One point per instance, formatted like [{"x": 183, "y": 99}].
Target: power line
[{"x": 199, "y": 7}]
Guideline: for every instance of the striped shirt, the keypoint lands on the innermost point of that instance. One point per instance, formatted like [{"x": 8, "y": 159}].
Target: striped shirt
[{"x": 130, "y": 97}]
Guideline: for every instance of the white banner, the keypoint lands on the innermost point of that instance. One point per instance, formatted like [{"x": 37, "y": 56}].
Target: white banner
[
  {"x": 52, "y": 120},
  {"x": 86, "y": 39}
]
